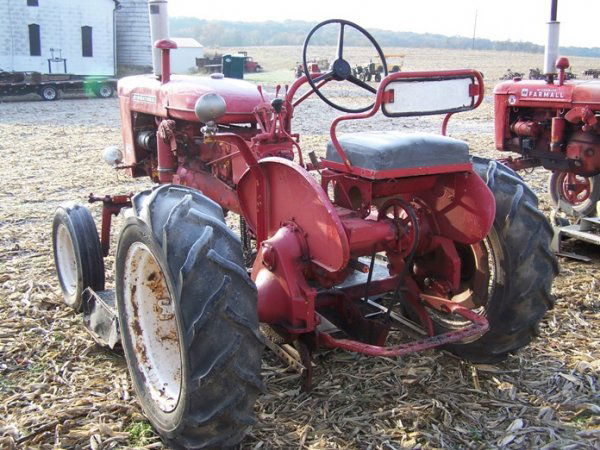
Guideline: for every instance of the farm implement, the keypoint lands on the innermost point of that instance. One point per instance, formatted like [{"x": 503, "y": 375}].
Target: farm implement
[{"x": 387, "y": 229}]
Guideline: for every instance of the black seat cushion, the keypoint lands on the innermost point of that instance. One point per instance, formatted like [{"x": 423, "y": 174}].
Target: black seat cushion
[{"x": 394, "y": 150}]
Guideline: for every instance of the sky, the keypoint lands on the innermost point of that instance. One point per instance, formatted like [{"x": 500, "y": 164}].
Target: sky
[{"x": 517, "y": 20}]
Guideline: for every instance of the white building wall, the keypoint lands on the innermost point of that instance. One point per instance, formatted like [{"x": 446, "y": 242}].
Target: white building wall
[
  {"x": 184, "y": 58},
  {"x": 60, "y": 24},
  {"x": 134, "y": 48}
]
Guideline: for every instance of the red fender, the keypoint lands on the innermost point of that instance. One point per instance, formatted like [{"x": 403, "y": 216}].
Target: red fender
[
  {"x": 463, "y": 206},
  {"x": 296, "y": 197}
]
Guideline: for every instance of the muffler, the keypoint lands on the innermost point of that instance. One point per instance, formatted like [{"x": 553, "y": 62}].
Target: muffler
[
  {"x": 551, "y": 50},
  {"x": 159, "y": 29}
]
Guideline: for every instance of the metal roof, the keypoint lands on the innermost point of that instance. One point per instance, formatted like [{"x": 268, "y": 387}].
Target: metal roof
[{"x": 186, "y": 42}]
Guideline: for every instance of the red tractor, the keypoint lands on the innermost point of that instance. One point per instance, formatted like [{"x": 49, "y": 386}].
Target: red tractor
[
  {"x": 386, "y": 229},
  {"x": 554, "y": 123}
]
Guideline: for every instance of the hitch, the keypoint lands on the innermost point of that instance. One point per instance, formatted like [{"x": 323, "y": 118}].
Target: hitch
[{"x": 479, "y": 325}]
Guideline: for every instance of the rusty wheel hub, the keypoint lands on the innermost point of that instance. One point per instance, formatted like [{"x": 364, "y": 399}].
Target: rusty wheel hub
[{"x": 575, "y": 189}]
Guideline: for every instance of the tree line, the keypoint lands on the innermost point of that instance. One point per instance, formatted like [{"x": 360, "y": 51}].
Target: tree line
[{"x": 292, "y": 32}]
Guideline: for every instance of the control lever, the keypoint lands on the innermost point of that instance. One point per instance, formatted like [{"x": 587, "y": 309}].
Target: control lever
[
  {"x": 260, "y": 91},
  {"x": 313, "y": 159}
]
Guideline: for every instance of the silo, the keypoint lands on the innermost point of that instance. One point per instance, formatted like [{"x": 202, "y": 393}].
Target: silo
[{"x": 134, "y": 49}]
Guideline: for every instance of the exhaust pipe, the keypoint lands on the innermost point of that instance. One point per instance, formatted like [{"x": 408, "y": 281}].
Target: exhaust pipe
[
  {"x": 551, "y": 51},
  {"x": 159, "y": 29}
]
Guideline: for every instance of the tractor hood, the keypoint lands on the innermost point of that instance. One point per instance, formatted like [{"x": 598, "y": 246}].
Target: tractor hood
[
  {"x": 529, "y": 92},
  {"x": 177, "y": 98}
]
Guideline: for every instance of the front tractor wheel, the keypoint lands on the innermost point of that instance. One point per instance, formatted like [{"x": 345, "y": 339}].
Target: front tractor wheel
[
  {"x": 508, "y": 276},
  {"x": 77, "y": 253},
  {"x": 188, "y": 319}
]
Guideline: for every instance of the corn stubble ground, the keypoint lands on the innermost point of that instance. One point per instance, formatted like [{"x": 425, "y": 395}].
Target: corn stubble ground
[{"x": 58, "y": 389}]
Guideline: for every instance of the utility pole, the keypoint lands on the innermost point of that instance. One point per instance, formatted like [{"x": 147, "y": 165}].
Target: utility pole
[{"x": 474, "y": 29}]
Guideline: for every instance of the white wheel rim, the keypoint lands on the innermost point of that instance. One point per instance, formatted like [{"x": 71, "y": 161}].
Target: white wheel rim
[
  {"x": 152, "y": 326},
  {"x": 104, "y": 91},
  {"x": 66, "y": 260},
  {"x": 49, "y": 93}
]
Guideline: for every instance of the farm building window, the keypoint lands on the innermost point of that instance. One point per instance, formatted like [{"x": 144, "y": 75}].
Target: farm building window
[
  {"x": 86, "y": 41},
  {"x": 35, "y": 45},
  {"x": 32, "y": 3}
]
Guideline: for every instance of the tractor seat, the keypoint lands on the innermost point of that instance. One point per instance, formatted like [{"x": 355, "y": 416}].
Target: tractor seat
[{"x": 395, "y": 150}]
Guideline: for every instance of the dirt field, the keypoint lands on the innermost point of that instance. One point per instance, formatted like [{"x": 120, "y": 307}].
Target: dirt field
[{"x": 58, "y": 389}]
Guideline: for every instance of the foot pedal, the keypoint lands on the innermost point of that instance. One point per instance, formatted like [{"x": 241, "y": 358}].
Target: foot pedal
[{"x": 100, "y": 317}]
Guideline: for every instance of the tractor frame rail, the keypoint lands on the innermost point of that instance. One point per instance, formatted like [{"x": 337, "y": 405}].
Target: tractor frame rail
[{"x": 479, "y": 325}]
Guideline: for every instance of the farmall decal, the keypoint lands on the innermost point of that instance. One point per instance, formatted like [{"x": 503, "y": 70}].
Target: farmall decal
[
  {"x": 143, "y": 98},
  {"x": 542, "y": 93}
]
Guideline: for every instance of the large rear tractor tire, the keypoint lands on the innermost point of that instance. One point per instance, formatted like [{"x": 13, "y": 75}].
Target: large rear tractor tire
[
  {"x": 77, "y": 253},
  {"x": 188, "y": 319},
  {"x": 515, "y": 271}
]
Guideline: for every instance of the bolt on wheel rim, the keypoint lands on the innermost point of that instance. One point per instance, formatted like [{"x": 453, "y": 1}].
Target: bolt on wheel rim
[
  {"x": 67, "y": 262},
  {"x": 152, "y": 326}
]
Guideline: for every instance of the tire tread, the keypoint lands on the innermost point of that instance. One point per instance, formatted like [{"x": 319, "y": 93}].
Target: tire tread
[
  {"x": 224, "y": 354},
  {"x": 525, "y": 235}
]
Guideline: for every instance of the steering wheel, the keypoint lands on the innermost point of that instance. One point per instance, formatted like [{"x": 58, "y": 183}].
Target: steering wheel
[{"x": 340, "y": 69}]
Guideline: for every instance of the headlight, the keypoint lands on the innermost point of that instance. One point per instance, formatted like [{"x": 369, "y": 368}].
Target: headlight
[{"x": 113, "y": 156}]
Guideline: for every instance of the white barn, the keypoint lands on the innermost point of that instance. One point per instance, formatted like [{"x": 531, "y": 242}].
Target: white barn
[
  {"x": 82, "y": 37},
  {"x": 54, "y": 35},
  {"x": 183, "y": 58}
]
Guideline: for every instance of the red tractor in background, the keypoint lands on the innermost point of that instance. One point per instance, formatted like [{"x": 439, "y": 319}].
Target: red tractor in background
[
  {"x": 386, "y": 229},
  {"x": 554, "y": 123}
]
